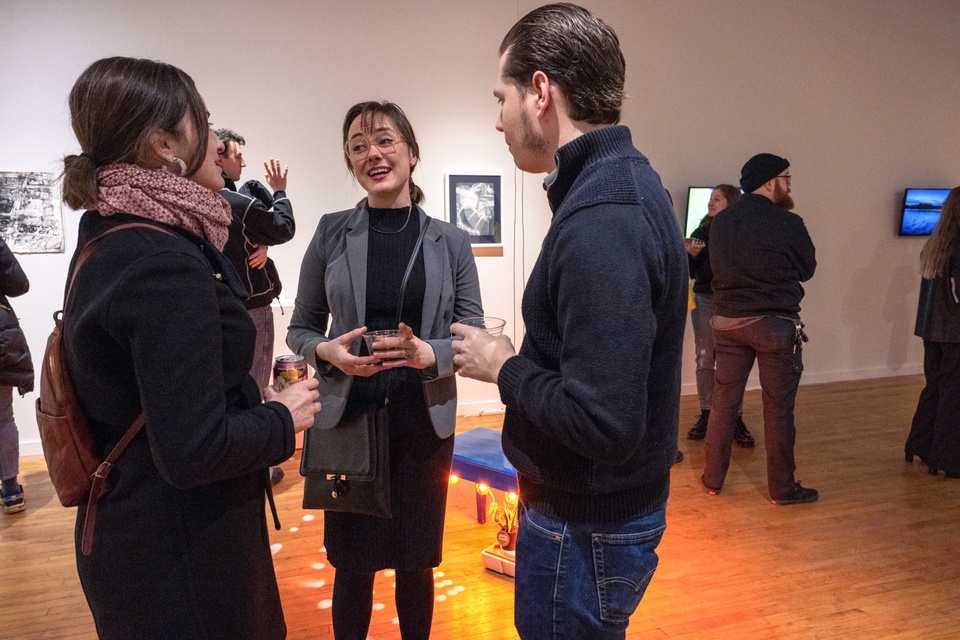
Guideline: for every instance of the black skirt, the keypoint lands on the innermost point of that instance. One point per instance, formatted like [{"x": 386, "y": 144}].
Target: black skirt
[{"x": 419, "y": 477}]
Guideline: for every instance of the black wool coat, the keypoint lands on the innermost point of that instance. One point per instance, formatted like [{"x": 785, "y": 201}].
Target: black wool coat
[{"x": 181, "y": 548}]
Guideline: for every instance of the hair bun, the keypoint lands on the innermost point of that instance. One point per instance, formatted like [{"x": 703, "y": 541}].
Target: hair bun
[{"x": 79, "y": 188}]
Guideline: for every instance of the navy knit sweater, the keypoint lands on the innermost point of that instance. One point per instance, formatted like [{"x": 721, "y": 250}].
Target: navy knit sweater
[{"x": 593, "y": 395}]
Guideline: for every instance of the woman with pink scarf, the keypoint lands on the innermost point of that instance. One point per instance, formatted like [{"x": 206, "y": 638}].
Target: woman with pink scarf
[{"x": 155, "y": 324}]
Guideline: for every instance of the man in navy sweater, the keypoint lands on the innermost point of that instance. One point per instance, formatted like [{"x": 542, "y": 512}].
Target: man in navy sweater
[
  {"x": 760, "y": 252},
  {"x": 592, "y": 396}
]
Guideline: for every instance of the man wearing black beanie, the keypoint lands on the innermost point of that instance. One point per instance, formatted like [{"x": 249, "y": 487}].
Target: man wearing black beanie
[{"x": 760, "y": 252}]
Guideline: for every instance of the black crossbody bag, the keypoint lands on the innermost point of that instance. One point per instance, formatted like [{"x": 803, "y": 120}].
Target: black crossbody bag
[{"x": 351, "y": 461}]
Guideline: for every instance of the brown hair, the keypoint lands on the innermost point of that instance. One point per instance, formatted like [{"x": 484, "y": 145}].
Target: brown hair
[
  {"x": 936, "y": 251},
  {"x": 369, "y": 112},
  {"x": 577, "y": 51},
  {"x": 730, "y": 193},
  {"x": 116, "y": 106}
]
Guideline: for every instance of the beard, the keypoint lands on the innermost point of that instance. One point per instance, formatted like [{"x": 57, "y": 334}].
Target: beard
[
  {"x": 781, "y": 197},
  {"x": 531, "y": 139}
]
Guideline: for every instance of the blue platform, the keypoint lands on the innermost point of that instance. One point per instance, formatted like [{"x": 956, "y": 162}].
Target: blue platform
[{"x": 478, "y": 456}]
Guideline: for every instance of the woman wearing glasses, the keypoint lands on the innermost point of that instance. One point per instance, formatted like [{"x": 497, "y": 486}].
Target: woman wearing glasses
[{"x": 350, "y": 282}]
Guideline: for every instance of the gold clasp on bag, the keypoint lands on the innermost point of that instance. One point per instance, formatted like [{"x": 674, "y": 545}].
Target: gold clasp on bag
[{"x": 340, "y": 487}]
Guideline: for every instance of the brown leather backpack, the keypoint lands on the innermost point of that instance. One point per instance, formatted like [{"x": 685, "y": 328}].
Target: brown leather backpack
[{"x": 77, "y": 470}]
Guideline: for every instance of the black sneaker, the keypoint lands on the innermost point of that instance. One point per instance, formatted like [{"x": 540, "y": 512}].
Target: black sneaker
[
  {"x": 741, "y": 435},
  {"x": 276, "y": 475},
  {"x": 799, "y": 495},
  {"x": 13, "y": 502},
  {"x": 699, "y": 429}
]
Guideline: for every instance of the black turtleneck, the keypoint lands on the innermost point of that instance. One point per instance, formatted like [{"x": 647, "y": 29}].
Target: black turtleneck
[
  {"x": 393, "y": 235},
  {"x": 389, "y": 245}
]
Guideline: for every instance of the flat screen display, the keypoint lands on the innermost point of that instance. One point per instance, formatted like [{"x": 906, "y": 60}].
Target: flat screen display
[
  {"x": 697, "y": 200},
  {"x": 921, "y": 211}
]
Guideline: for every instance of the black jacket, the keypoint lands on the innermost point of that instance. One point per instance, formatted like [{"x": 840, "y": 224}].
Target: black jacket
[
  {"x": 938, "y": 319},
  {"x": 181, "y": 548},
  {"x": 258, "y": 218},
  {"x": 16, "y": 367},
  {"x": 699, "y": 265},
  {"x": 760, "y": 253}
]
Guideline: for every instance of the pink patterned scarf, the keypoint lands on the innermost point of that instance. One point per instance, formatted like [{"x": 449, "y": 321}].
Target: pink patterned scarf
[{"x": 164, "y": 197}]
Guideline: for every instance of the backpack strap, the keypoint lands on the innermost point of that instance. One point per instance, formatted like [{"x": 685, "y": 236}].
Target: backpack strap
[
  {"x": 98, "y": 484},
  {"x": 88, "y": 249}
]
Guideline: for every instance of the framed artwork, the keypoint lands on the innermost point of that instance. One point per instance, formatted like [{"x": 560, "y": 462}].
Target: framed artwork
[
  {"x": 474, "y": 206},
  {"x": 30, "y": 216}
]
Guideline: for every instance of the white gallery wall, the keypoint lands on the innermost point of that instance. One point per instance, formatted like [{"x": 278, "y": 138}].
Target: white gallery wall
[{"x": 862, "y": 96}]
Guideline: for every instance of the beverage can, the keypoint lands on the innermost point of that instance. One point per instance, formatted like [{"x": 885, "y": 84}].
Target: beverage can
[{"x": 287, "y": 370}]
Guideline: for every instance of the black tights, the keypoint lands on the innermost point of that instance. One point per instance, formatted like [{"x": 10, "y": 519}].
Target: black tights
[{"x": 353, "y": 604}]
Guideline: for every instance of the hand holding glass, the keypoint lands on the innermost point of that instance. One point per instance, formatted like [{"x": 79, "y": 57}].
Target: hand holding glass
[
  {"x": 384, "y": 342},
  {"x": 493, "y": 326}
]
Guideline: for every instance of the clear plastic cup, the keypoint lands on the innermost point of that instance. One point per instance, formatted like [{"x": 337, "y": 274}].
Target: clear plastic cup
[
  {"x": 493, "y": 326},
  {"x": 372, "y": 337}
]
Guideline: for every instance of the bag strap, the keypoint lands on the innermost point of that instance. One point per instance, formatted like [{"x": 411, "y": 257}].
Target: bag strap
[
  {"x": 88, "y": 249},
  {"x": 99, "y": 481},
  {"x": 413, "y": 259},
  {"x": 403, "y": 290},
  {"x": 99, "y": 478}
]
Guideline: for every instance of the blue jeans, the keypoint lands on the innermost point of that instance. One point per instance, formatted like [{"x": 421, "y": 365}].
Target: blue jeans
[
  {"x": 770, "y": 341},
  {"x": 262, "y": 369},
  {"x": 582, "y": 580},
  {"x": 9, "y": 437}
]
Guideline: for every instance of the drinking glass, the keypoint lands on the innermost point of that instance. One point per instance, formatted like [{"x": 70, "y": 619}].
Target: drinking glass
[{"x": 493, "y": 326}]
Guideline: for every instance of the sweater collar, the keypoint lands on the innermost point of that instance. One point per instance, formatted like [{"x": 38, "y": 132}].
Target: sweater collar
[{"x": 572, "y": 158}]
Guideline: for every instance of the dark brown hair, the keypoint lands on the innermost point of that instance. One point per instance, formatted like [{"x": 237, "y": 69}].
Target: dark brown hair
[
  {"x": 116, "y": 106},
  {"x": 730, "y": 193},
  {"x": 371, "y": 111},
  {"x": 577, "y": 51}
]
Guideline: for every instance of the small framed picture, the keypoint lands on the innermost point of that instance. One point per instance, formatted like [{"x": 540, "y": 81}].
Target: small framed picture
[{"x": 474, "y": 206}]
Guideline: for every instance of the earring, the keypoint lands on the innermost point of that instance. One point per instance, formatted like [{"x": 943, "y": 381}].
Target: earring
[{"x": 181, "y": 166}]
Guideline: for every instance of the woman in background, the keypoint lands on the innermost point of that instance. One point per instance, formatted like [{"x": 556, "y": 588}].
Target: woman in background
[
  {"x": 350, "y": 282},
  {"x": 155, "y": 323},
  {"x": 698, "y": 256},
  {"x": 16, "y": 370},
  {"x": 935, "y": 433}
]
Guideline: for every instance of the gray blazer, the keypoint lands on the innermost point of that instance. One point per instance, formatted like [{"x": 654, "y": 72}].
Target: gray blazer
[{"x": 333, "y": 289}]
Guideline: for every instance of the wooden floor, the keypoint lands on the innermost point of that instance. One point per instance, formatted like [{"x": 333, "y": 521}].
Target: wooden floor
[{"x": 878, "y": 557}]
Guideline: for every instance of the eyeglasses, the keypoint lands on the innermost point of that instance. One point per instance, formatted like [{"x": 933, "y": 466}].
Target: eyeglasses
[
  {"x": 786, "y": 177},
  {"x": 359, "y": 148}
]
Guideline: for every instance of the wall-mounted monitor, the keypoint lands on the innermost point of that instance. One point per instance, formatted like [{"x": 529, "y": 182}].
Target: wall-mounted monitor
[
  {"x": 697, "y": 200},
  {"x": 921, "y": 211}
]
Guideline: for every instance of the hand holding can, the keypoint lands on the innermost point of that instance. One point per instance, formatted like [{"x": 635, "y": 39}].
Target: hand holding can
[{"x": 287, "y": 370}]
